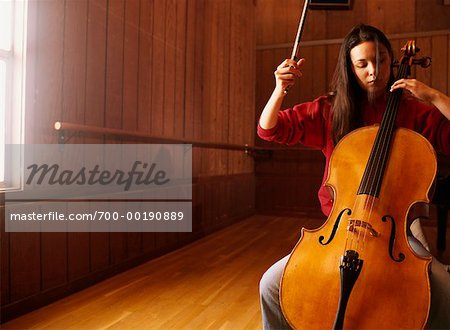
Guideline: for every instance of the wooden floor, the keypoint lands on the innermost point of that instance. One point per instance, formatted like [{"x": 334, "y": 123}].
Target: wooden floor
[{"x": 210, "y": 284}]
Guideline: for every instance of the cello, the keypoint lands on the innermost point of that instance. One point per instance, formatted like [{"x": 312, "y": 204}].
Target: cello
[{"x": 358, "y": 269}]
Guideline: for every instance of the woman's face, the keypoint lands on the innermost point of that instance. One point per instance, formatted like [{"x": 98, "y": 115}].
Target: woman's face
[{"x": 371, "y": 77}]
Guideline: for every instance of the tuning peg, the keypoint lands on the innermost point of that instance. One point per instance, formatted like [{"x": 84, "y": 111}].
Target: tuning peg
[{"x": 424, "y": 62}]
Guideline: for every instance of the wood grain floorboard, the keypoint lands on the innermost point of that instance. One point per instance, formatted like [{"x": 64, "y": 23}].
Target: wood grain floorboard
[{"x": 210, "y": 284}]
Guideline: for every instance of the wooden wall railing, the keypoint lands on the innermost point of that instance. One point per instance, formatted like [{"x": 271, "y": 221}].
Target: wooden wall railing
[
  {"x": 252, "y": 150},
  {"x": 63, "y": 127}
]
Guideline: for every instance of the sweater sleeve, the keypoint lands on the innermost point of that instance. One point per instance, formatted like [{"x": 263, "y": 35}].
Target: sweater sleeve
[
  {"x": 304, "y": 123},
  {"x": 434, "y": 126}
]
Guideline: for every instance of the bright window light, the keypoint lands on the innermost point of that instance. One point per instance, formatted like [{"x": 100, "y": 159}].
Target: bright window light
[
  {"x": 13, "y": 25},
  {"x": 2, "y": 116},
  {"x": 6, "y": 21}
]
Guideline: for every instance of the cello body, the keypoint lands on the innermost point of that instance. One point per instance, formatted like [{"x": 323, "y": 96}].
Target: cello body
[{"x": 392, "y": 289}]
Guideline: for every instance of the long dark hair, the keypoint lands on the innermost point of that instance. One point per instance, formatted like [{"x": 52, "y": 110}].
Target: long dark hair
[{"x": 346, "y": 92}]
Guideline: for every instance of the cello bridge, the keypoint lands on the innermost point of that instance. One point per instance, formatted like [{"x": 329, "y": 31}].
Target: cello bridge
[{"x": 359, "y": 223}]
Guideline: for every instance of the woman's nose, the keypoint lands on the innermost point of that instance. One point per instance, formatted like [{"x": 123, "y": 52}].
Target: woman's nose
[{"x": 372, "y": 69}]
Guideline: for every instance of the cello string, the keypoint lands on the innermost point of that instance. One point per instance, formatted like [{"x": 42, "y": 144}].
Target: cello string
[
  {"x": 355, "y": 221},
  {"x": 348, "y": 228},
  {"x": 360, "y": 199},
  {"x": 369, "y": 183},
  {"x": 388, "y": 133},
  {"x": 374, "y": 178},
  {"x": 385, "y": 156},
  {"x": 363, "y": 217},
  {"x": 366, "y": 197},
  {"x": 390, "y": 128},
  {"x": 355, "y": 211},
  {"x": 365, "y": 228},
  {"x": 386, "y": 137},
  {"x": 380, "y": 147},
  {"x": 387, "y": 130}
]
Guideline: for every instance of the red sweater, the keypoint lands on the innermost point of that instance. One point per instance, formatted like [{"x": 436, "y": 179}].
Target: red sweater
[{"x": 309, "y": 124}]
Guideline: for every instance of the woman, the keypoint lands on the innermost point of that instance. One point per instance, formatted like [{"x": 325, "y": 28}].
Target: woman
[{"x": 362, "y": 80}]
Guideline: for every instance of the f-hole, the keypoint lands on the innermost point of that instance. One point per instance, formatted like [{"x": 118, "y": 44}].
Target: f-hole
[
  {"x": 335, "y": 227},
  {"x": 401, "y": 256}
]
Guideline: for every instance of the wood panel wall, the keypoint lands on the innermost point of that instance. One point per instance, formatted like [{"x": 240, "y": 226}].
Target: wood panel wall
[
  {"x": 173, "y": 68},
  {"x": 293, "y": 178}
]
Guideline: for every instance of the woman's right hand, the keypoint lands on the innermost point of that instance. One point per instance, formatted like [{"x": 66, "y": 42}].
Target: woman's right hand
[{"x": 286, "y": 73}]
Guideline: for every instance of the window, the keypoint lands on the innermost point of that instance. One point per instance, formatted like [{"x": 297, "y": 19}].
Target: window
[{"x": 12, "y": 73}]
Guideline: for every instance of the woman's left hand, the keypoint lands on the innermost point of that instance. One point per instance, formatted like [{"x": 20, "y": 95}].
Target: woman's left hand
[
  {"x": 416, "y": 88},
  {"x": 425, "y": 93}
]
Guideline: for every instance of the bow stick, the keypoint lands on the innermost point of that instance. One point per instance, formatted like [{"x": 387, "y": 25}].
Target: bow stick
[{"x": 294, "y": 55}]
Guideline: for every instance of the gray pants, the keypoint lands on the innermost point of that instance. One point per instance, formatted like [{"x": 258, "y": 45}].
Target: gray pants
[{"x": 439, "y": 317}]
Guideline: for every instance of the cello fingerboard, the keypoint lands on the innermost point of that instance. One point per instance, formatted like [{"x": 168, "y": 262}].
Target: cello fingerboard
[{"x": 376, "y": 165}]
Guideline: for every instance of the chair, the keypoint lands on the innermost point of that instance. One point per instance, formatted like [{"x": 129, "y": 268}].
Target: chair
[{"x": 441, "y": 199}]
